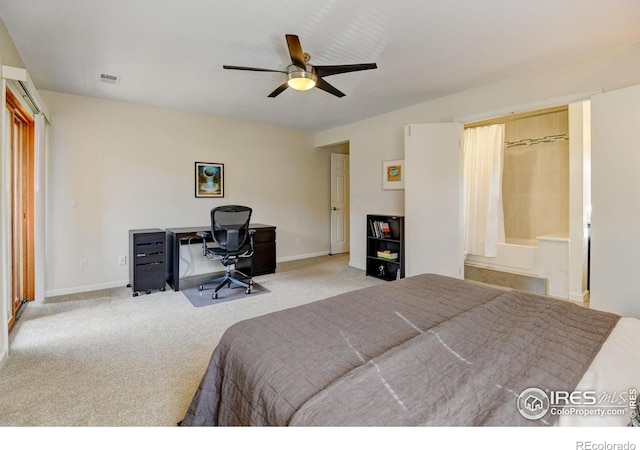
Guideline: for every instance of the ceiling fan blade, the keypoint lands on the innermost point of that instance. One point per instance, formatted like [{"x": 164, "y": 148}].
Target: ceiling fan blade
[
  {"x": 279, "y": 90},
  {"x": 254, "y": 69},
  {"x": 325, "y": 71},
  {"x": 295, "y": 50},
  {"x": 321, "y": 84}
]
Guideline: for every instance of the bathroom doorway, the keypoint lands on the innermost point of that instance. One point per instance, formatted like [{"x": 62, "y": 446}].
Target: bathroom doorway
[{"x": 544, "y": 198}]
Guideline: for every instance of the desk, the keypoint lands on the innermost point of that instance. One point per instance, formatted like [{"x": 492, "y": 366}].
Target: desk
[{"x": 262, "y": 262}]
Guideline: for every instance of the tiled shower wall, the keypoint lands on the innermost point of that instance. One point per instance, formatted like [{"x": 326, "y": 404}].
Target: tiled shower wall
[{"x": 535, "y": 184}]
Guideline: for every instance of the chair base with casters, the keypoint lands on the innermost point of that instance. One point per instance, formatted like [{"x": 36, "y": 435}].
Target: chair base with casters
[{"x": 231, "y": 276}]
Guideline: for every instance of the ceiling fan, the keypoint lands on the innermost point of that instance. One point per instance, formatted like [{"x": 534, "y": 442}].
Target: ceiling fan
[{"x": 303, "y": 76}]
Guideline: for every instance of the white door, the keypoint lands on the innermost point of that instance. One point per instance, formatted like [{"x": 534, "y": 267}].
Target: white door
[
  {"x": 615, "y": 200},
  {"x": 339, "y": 203},
  {"x": 433, "y": 199}
]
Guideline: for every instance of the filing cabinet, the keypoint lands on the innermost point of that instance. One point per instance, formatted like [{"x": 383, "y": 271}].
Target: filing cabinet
[{"x": 146, "y": 260}]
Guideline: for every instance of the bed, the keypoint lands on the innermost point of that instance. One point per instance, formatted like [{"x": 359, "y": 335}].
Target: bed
[{"x": 426, "y": 350}]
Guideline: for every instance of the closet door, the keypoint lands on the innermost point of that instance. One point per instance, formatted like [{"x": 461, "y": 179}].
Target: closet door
[
  {"x": 20, "y": 128},
  {"x": 615, "y": 200},
  {"x": 433, "y": 199}
]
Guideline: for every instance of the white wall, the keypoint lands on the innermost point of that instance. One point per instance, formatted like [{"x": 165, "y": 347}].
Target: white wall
[
  {"x": 615, "y": 190},
  {"x": 132, "y": 167},
  {"x": 380, "y": 138}
]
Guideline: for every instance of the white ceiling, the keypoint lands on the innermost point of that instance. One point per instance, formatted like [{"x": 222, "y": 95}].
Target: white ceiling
[{"x": 170, "y": 53}]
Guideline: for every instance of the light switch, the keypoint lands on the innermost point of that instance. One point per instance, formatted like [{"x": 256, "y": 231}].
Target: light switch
[{"x": 73, "y": 202}]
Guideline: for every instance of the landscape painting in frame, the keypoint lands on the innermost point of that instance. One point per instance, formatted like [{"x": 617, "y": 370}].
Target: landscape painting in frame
[
  {"x": 393, "y": 174},
  {"x": 209, "y": 179}
]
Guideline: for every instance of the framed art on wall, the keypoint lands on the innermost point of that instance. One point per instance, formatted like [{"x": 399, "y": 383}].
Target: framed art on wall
[
  {"x": 209, "y": 180},
  {"x": 393, "y": 174}
]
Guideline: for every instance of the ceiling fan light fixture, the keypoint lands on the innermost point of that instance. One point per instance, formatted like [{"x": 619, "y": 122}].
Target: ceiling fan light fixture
[{"x": 301, "y": 80}]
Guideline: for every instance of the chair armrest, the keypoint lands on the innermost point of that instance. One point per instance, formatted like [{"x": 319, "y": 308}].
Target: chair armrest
[
  {"x": 251, "y": 233},
  {"x": 204, "y": 235}
]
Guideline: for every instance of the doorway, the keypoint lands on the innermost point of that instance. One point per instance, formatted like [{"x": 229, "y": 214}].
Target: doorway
[
  {"x": 545, "y": 193},
  {"x": 339, "y": 203},
  {"x": 20, "y": 143}
]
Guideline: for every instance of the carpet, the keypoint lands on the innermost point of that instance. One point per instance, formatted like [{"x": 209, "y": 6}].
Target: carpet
[{"x": 189, "y": 287}]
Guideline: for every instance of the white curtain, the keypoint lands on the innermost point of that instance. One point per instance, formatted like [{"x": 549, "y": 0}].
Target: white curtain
[{"x": 483, "y": 214}]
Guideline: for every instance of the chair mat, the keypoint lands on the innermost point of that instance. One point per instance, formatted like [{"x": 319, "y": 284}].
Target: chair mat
[{"x": 189, "y": 287}]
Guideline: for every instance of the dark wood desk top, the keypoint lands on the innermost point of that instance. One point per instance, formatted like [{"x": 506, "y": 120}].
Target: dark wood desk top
[{"x": 194, "y": 230}]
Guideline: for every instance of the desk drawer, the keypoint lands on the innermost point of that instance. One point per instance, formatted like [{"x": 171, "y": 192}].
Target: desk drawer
[
  {"x": 149, "y": 249},
  {"x": 147, "y": 258},
  {"x": 156, "y": 268},
  {"x": 149, "y": 238},
  {"x": 264, "y": 236},
  {"x": 149, "y": 278},
  {"x": 264, "y": 258}
]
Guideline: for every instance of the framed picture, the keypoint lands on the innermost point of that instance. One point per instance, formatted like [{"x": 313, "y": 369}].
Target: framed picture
[
  {"x": 393, "y": 174},
  {"x": 209, "y": 180}
]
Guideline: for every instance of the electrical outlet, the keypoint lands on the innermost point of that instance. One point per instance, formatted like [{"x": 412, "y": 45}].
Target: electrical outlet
[
  {"x": 84, "y": 264},
  {"x": 122, "y": 260},
  {"x": 297, "y": 241}
]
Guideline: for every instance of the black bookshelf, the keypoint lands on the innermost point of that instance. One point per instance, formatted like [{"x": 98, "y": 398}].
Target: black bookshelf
[{"x": 385, "y": 246}]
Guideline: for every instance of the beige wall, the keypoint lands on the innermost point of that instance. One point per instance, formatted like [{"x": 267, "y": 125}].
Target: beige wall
[
  {"x": 132, "y": 167},
  {"x": 535, "y": 183},
  {"x": 9, "y": 56}
]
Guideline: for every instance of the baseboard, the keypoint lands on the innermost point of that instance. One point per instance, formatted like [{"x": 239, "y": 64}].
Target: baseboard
[
  {"x": 576, "y": 297},
  {"x": 296, "y": 257},
  {"x": 357, "y": 266},
  {"x": 85, "y": 288},
  {"x": 4, "y": 356}
]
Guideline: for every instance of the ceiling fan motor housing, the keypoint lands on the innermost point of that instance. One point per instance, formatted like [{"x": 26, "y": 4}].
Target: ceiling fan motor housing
[{"x": 301, "y": 79}]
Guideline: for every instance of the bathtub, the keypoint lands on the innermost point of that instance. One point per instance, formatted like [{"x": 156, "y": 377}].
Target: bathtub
[
  {"x": 545, "y": 257},
  {"x": 515, "y": 255}
]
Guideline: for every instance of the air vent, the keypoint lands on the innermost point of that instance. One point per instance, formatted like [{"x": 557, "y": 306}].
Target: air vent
[{"x": 112, "y": 79}]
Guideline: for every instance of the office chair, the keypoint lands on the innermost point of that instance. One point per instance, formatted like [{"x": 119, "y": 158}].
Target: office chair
[{"x": 233, "y": 240}]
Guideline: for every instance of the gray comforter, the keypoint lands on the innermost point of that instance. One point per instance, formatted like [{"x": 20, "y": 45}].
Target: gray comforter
[{"x": 424, "y": 350}]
